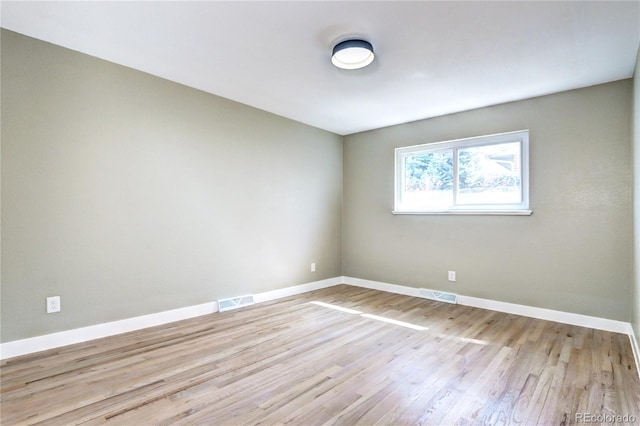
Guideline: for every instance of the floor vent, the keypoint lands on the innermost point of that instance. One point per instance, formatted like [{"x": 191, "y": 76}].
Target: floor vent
[
  {"x": 234, "y": 303},
  {"x": 440, "y": 296}
]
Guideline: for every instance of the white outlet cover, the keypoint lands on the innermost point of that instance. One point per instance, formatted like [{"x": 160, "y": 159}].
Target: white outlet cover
[
  {"x": 53, "y": 304},
  {"x": 452, "y": 275}
]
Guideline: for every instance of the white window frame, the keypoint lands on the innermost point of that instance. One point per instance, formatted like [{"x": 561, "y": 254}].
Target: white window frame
[{"x": 521, "y": 136}]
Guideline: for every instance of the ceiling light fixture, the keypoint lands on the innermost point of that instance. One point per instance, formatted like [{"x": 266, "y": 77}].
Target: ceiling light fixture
[{"x": 352, "y": 54}]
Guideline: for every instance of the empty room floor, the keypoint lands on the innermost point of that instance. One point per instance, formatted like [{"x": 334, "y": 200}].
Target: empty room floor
[{"x": 341, "y": 355}]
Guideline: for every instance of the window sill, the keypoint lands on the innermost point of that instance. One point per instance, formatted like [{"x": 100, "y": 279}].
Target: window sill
[{"x": 468, "y": 212}]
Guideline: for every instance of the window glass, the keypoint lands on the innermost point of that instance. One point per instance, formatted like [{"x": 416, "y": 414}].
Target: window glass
[
  {"x": 429, "y": 179},
  {"x": 485, "y": 174},
  {"x": 490, "y": 174}
]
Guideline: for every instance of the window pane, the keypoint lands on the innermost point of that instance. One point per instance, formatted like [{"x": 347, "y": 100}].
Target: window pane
[
  {"x": 428, "y": 180},
  {"x": 490, "y": 174}
]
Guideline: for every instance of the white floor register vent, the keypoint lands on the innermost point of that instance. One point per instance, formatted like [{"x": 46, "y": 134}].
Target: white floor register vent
[
  {"x": 234, "y": 303},
  {"x": 440, "y": 296}
]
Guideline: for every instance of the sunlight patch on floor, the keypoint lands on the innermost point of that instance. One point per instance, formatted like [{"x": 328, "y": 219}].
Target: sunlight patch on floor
[
  {"x": 370, "y": 316},
  {"x": 337, "y": 308}
]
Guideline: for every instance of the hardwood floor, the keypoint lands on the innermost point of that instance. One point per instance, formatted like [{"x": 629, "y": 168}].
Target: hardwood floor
[{"x": 298, "y": 362}]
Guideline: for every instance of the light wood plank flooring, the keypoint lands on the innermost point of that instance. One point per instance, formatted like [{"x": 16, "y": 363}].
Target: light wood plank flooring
[{"x": 294, "y": 362}]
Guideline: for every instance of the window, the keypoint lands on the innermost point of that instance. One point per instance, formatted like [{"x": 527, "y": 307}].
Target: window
[{"x": 481, "y": 175}]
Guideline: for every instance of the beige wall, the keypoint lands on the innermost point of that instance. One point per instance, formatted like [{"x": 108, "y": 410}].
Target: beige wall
[
  {"x": 635, "y": 299},
  {"x": 572, "y": 254},
  {"x": 127, "y": 194}
]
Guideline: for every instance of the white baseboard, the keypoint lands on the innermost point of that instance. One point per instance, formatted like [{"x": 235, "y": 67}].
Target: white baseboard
[
  {"x": 547, "y": 314},
  {"x": 84, "y": 334},
  {"x": 296, "y": 289},
  {"x": 510, "y": 308},
  {"x": 635, "y": 348},
  {"x": 64, "y": 338},
  {"x": 377, "y": 285}
]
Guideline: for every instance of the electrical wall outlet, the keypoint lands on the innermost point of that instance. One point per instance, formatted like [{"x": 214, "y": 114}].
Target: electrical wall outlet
[
  {"x": 313, "y": 267},
  {"x": 53, "y": 304},
  {"x": 452, "y": 275}
]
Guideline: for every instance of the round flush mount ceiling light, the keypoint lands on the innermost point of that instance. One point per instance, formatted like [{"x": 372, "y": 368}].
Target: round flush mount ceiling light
[{"x": 352, "y": 54}]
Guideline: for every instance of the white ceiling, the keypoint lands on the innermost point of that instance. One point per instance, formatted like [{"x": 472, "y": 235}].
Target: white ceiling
[{"x": 432, "y": 58}]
